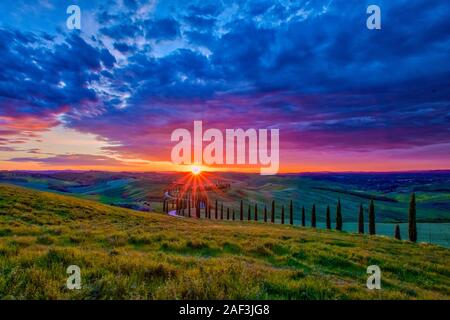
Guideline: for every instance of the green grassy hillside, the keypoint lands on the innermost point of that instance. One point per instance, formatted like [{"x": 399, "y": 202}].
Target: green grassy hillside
[
  {"x": 432, "y": 205},
  {"x": 390, "y": 192},
  {"x": 125, "y": 254}
]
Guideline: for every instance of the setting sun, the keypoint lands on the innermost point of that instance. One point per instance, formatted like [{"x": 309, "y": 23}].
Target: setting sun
[{"x": 196, "y": 170}]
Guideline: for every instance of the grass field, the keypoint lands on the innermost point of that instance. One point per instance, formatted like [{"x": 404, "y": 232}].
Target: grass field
[{"x": 125, "y": 254}]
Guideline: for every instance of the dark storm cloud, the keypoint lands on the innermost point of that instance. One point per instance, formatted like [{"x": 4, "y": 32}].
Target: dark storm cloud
[
  {"x": 311, "y": 68},
  {"x": 161, "y": 29},
  {"x": 40, "y": 80},
  {"x": 72, "y": 159}
]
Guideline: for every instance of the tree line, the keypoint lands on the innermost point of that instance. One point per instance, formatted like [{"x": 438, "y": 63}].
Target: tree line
[{"x": 189, "y": 207}]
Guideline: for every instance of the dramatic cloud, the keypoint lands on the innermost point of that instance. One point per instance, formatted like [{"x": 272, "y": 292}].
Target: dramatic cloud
[
  {"x": 74, "y": 159},
  {"x": 310, "y": 68},
  {"x": 40, "y": 80}
]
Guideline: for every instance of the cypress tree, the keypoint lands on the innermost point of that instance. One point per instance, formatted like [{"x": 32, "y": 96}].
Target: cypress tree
[
  {"x": 197, "y": 209},
  {"x": 328, "y": 218},
  {"x": 221, "y": 211},
  {"x": 256, "y": 212},
  {"x": 249, "y": 215},
  {"x": 233, "y": 214},
  {"x": 291, "y": 213},
  {"x": 397, "y": 233},
  {"x": 228, "y": 213},
  {"x": 208, "y": 210},
  {"x": 242, "y": 211},
  {"x": 189, "y": 207},
  {"x": 303, "y": 217},
  {"x": 215, "y": 210},
  {"x": 338, "y": 216},
  {"x": 282, "y": 214},
  {"x": 272, "y": 218},
  {"x": 265, "y": 212},
  {"x": 203, "y": 213},
  {"x": 361, "y": 219},
  {"x": 372, "y": 218},
  {"x": 412, "y": 226},
  {"x": 313, "y": 216}
]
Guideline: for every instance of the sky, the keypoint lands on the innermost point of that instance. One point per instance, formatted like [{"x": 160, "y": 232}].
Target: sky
[{"x": 108, "y": 96}]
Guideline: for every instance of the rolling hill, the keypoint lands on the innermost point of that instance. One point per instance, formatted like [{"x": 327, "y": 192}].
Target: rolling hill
[
  {"x": 126, "y": 254},
  {"x": 390, "y": 191}
]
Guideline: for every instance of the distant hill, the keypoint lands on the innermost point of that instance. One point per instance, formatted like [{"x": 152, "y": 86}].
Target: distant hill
[
  {"x": 390, "y": 191},
  {"x": 125, "y": 254}
]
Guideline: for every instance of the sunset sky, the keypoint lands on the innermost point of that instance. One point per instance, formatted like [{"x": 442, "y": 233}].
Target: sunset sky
[{"x": 107, "y": 97}]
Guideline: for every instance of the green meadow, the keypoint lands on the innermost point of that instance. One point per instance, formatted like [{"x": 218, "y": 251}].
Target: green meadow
[
  {"x": 390, "y": 192},
  {"x": 126, "y": 254}
]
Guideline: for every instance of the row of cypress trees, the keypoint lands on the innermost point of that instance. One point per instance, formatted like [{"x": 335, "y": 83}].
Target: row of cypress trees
[
  {"x": 372, "y": 229},
  {"x": 183, "y": 207},
  {"x": 412, "y": 223}
]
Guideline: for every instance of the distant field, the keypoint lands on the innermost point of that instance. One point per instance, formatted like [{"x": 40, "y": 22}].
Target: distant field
[
  {"x": 390, "y": 191},
  {"x": 437, "y": 233},
  {"x": 125, "y": 254}
]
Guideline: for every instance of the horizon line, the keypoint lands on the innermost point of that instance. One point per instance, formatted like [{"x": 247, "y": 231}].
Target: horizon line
[{"x": 237, "y": 172}]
